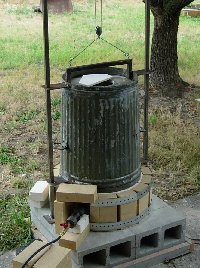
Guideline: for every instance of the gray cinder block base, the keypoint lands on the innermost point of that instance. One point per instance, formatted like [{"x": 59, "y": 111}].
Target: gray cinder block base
[{"x": 159, "y": 236}]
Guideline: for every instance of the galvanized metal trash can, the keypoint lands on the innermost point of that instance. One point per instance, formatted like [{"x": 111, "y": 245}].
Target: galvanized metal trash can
[{"x": 101, "y": 134}]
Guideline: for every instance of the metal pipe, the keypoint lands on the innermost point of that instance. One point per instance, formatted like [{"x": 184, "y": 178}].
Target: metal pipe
[
  {"x": 146, "y": 80},
  {"x": 48, "y": 105}
]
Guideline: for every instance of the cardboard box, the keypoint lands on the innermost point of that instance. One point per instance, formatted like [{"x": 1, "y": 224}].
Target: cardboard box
[
  {"x": 20, "y": 259},
  {"x": 76, "y": 193},
  {"x": 55, "y": 257},
  {"x": 40, "y": 191},
  {"x": 73, "y": 241},
  {"x": 61, "y": 213}
]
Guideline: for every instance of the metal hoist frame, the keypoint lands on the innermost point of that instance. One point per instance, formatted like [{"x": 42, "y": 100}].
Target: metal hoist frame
[{"x": 48, "y": 87}]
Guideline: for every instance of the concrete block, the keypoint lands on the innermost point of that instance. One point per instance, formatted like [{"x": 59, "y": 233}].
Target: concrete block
[
  {"x": 40, "y": 191},
  {"x": 120, "y": 252},
  {"x": 76, "y": 193},
  {"x": 81, "y": 225},
  {"x": 96, "y": 258},
  {"x": 157, "y": 232}
]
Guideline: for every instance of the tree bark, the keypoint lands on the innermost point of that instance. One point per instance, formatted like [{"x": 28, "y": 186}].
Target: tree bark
[{"x": 164, "y": 58}]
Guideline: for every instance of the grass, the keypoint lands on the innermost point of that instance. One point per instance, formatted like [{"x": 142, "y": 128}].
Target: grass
[
  {"x": 174, "y": 137},
  {"x": 15, "y": 224}
]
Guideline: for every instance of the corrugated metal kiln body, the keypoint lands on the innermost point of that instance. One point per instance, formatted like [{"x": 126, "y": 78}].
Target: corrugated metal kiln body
[{"x": 100, "y": 129}]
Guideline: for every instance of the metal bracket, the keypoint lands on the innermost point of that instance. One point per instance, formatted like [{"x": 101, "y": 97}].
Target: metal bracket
[
  {"x": 49, "y": 219},
  {"x": 122, "y": 200},
  {"x": 128, "y": 62},
  {"x": 56, "y": 86},
  {"x": 119, "y": 225}
]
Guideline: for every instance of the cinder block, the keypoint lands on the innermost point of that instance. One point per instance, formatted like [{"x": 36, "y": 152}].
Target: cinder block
[
  {"x": 81, "y": 225},
  {"x": 76, "y": 193},
  {"x": 40, "y": 191},
  {"x": 173, "y": 234},
  {"x": 73, "y": 241},
  {"x": 149, "y": 243},
  {"x": 120, "y": 252},
  {"x": 61, "y": 213},
  {"x": 96, "y": 258}
]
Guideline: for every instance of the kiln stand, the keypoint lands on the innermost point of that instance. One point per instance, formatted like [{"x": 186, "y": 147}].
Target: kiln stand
[{"x": 157, "y": 235}]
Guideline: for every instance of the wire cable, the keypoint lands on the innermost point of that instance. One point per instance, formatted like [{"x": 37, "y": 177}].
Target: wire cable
[{"x": 40, "y": 249}]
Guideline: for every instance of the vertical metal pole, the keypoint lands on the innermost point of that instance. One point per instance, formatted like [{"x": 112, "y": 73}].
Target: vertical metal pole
[
  {"x": 48, "y": 105},
  {"x": 146, "y": 79}
]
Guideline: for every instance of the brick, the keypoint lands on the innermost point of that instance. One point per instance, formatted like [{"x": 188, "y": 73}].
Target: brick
[
  {"x": 94, "y": 214},
  {"x": 39, "y": 204},
  {"x": 76, "y": 193},
  {"x": 146, "y": 179},
  {"x": 127, "y": 211},
  {"x": 140, "y": 187},
  {"x": 61, "y": 213},
  {"x": 73, "y": 241},
  {"x": 108, "y": 214},
  {"x": 55, "y": 257},
  {"x": 40, "y": 191},
  {"x": 81, "y": 225},
  {"x": 105, "y": 196},
  {"x": 146, "y": 170},
  {"x": 143, "y": 203},
  {"x": 19, "y": 260}
]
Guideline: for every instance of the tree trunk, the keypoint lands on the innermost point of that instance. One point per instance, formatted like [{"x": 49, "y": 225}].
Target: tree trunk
[{"x": 164, "y": 59}]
